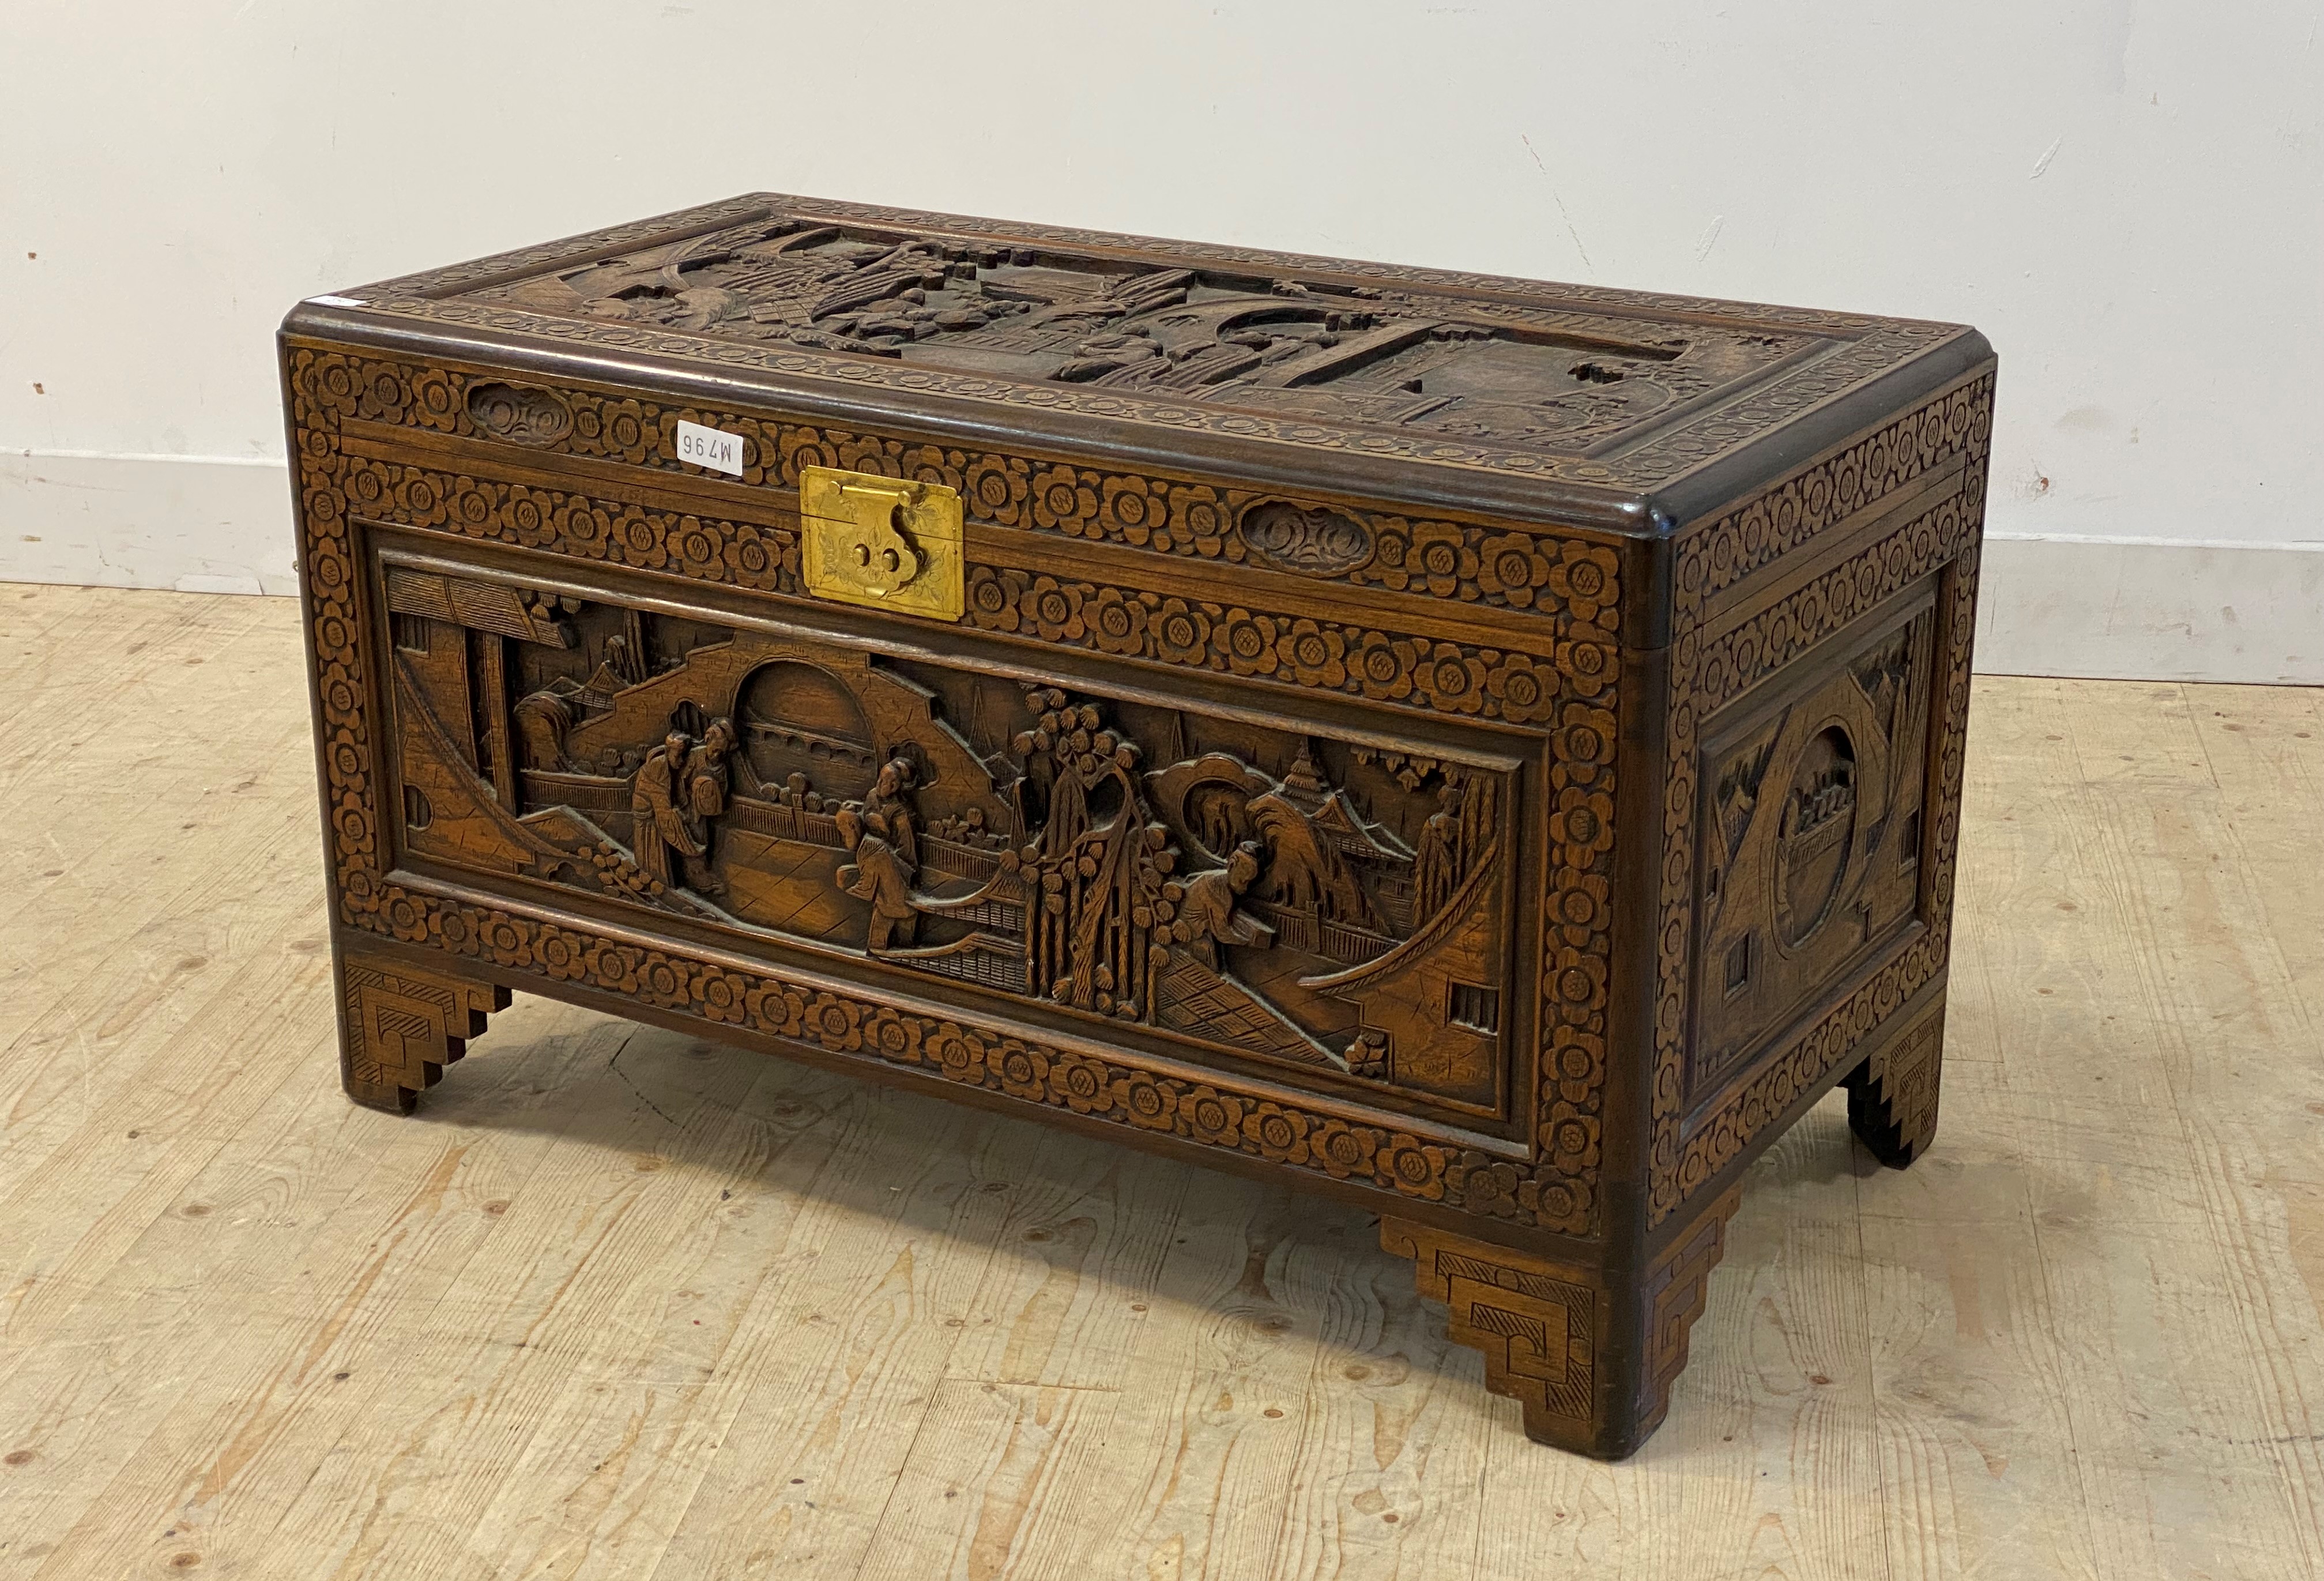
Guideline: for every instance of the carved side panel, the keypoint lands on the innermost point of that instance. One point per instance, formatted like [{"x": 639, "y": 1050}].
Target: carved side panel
[
  {"x": 1699, "y": 1130},
  {"x": 1809, "y": 837},
  {"x": 1314, "y": 901}
]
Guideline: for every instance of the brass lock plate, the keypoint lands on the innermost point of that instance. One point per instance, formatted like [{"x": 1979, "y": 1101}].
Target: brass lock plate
[{"x": 881, "y": 542}]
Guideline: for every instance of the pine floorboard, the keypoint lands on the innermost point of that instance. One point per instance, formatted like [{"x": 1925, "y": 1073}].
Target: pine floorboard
[{"x": 623, "y": 1303}]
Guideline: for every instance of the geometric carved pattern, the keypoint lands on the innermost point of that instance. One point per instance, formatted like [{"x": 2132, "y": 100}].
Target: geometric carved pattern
[
  {"x": 1535, "y": 1322},
  {"x": 1677, "y": 1287},
  {"x": 1591, "y": 1364},
  {"x": 1382, "y": 665},
  {"x": 1736, "y": 660},
  {"x": 1892, "y": 1098},
  {"x": 401, "y": 1025},
  {"x": 1451, "y": 678}
]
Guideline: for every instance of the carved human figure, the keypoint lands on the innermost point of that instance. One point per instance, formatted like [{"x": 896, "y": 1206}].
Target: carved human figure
[
  {"x": 1436, "y": 865},
  {"x": 661, "y": 820},
  {"x": 709, "y": 779},
  {"x": 1209, "y": 914},
  {"x": 889, "y": 800},
  {"x": 709, "y": 770},
  {"x": 878, "y": 874}
]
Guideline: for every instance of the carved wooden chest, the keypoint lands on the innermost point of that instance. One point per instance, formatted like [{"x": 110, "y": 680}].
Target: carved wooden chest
[{"x": 1488, "y": 750}]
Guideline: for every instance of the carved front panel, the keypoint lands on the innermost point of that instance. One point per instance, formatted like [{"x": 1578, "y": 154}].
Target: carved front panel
[
  {"x": 1269, "y": 892},
  {"x": 1810, "y": 834}
]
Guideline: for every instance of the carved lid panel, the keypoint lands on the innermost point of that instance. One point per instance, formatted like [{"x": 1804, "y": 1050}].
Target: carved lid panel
[{"x": 1199, "y": 346}]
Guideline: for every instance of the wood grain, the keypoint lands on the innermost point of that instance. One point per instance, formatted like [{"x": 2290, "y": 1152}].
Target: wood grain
[
  {"x": 1291, "y": 830},
  {"x": 625, "y": 1303}
]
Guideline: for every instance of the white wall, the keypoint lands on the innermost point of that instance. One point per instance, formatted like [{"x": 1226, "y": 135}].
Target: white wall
[{"x": 2124, "y": 196}]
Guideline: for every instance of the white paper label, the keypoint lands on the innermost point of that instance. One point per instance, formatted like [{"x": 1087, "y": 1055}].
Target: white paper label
[{"x": 708, "y": 446}]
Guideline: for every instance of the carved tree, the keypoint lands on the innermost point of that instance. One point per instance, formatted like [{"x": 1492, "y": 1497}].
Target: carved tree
[{"x": 1099, "y": 863}]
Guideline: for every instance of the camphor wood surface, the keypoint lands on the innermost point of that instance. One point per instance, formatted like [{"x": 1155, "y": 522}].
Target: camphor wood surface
[
  {"x": 596, "y": 1307},
  {"x": 1488, "y": 750}
]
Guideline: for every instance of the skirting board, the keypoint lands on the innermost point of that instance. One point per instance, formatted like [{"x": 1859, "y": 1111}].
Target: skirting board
[
  {"x": 191, "y": 523},
  {"x": 2152, "y": 609},
  {"x": 2107, "y": 609}
]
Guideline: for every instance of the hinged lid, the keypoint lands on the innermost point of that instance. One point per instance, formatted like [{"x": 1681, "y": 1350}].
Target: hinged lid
[{"x": 1615, "y": 408}]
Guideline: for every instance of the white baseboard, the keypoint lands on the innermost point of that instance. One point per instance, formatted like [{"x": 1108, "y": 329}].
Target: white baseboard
[
  {"x": 197, "y": 524},
  {"x": 2120, "y": 608},
  {"x": 2152, "y": 609}
]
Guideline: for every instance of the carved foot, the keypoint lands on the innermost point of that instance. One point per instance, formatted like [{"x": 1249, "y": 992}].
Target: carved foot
[
  {"x": 1591, "y": 1365},
  {"x": 1892, "y": 1098},
  {"x": 1537, "y": 1323},
  {"x": 401, "y": 1025},
  {"x": 1677, "y": 1287}
]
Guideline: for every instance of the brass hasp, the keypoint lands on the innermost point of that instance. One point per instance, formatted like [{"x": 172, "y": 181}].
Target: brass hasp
[{"x": 882, "y": 541}]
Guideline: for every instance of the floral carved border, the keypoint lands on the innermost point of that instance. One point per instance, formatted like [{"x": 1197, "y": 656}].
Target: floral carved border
[
  {"x": 1558, "y": 1191},
  {"x": 1566, "y": 576},
  {"x": 1731, "y": 664},
  {"x": 1447, "y": 678},
  {"x": 1315, "y": 655},
  {"x": 1706, "y": 674},
  {"x": 1870, "y": 348},
  {"x": 1790, "y": 515}
]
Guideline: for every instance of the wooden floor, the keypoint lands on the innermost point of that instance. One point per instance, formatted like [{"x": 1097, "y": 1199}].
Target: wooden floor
[{"x": 619, "y": 1303}]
